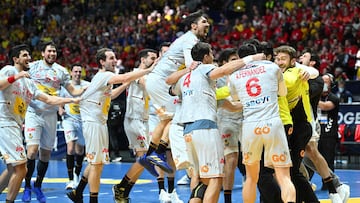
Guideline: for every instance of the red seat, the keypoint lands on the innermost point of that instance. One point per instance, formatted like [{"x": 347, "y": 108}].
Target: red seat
[
  {"x": 341, "y": 129},
  {"x": 357, "y": 133}
]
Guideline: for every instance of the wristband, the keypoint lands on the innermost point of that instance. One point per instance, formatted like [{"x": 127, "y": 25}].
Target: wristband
[
  {"x": 247, "y": 59},
  {"x": 11, "y": 79}
]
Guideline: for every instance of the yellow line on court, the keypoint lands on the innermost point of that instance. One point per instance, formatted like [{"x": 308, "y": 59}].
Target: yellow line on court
[
  {"x": 102, "y": 181},
  {"x": 351, "y": 200}
]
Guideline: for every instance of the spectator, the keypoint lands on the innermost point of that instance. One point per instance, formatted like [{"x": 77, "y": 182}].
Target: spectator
[
  {"x": 344, "y": 94},
  {"x": 357, "y": 66}
]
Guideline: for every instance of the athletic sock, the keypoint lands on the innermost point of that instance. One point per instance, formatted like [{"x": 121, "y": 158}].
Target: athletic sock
[
  {"x": 70, "y": 165},
  {"x": 329, "y": 183},
  {"x": 126, "y": 185},
  {"x": 161, "y": 184},
  {"x": 94, "y": 197},
  {"x": 227, "y": 196},
  {"x": 152, "y": 148},
  {"x": 79, "y": 163},
  {"x": 81, "y": 186},
  {"x": 30, "y": 170},
  {"x": 162, "y": 147},
  {"x": 41, "y": 171},
  {"x": 171, "y": 184}
]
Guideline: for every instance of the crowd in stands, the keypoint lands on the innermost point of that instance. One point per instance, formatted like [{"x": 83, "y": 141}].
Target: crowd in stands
[{"x": 79, "y": 28}]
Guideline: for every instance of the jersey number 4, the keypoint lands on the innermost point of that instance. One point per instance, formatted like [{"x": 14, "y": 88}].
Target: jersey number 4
[{"x": 187, "y": 80}]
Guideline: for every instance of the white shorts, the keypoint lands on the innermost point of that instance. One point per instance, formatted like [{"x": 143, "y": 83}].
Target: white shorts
[
  {"x": 73, "y": 131},
  {"x": 178, "y": 146},
  {"x": 315, "y": 131},
  {"x": 96, "y": 142},
  {"x": 269, "y": 134},
  {"x": 153, "y": 122},
  {"x": 230, "y": 132},
  {"x": 40, "y": 129},
  {"x": 137, "y": 133},
  {"x": 206, "y": 153},
  {"x": 162, "y": 101},
  {"x": 11, "y": 145}
]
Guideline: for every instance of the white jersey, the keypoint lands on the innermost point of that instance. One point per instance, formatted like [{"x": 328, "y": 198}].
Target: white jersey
[
  {"x": 137, "y": 103},
  {"x": 223, "y": 114},
  {"x": 73, "y": 110},
  {"x": 257, "y": 88},
  {"x": 177, "y": 116},
  {"x": 198, "y": 95},
  {"x": 48, "y": 79},
  {"x": 14, "y": 100},
  {"x": 95, "y": 103},
  {"x": 178, "y": 54}
]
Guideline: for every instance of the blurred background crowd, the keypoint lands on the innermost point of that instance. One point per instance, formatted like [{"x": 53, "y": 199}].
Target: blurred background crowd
[{"x": 331, "y": 28}]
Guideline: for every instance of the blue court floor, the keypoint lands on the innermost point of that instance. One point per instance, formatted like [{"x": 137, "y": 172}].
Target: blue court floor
[{"x": 145, "y": 190}]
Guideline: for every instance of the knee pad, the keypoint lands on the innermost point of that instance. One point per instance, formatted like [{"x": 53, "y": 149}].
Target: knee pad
[{"x": 199, "y": 191}]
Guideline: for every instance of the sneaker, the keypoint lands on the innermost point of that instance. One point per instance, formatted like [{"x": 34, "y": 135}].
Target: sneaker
[
  {"x": 116, "y": 159},
  {"x": 335, "y": 198},
  {"x": 147, "y": 165},
  {"x": 39, "y": 194},
  {"x": 160, "y": 161},
  {"x": 175, "y": 198},
  {"x": 76, "y": 179},
  {"x": 70, "y": 185},
  {"x": 164, "y": 197},
  {"x": 26, "y": 195},
  {"x": 119, "y": 195},
  {"x": 344, "y": 192},
  {"x": 185, "y": 180},
  {"x": 75, "y": 198},
  {"x": 313, "y": 186}
]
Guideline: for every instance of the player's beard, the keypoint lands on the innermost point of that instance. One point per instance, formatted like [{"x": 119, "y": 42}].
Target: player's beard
[
  {"x": 25, "y": 67},
  {"x": 49, "y": 62},
  {"x": 110, "y": 68}
]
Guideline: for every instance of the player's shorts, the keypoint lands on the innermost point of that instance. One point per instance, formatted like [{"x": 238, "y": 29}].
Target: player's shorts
[
  {"x": 96, "y": 142},
  {"x": 178, "y": 146},
  {"x": 153, "y": 122},
  {"x": 162, "y": 101},
  {"x": 206, "y": 152},
  {"x": 73, "y": 131},
  {"x": 40, "y": 129},
  {"x": 315, "y": 125},
  {"x": 230, "y": 132},
  {"x": 11, "y": 145},
  {"x": 269, "y": 134},
  {"x": 137, "y": 133}
]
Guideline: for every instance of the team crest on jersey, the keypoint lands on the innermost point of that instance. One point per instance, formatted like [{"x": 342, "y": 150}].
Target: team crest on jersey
[
  {"x": 20, "y": 107},
  {"x": 74, "y": 109},
  {"x": 47, "y": 90},
  {"x": 106, "y": 106}
]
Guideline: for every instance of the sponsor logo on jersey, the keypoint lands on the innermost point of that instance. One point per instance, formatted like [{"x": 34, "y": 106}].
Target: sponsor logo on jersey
[{"x": 258, "y": 101}]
